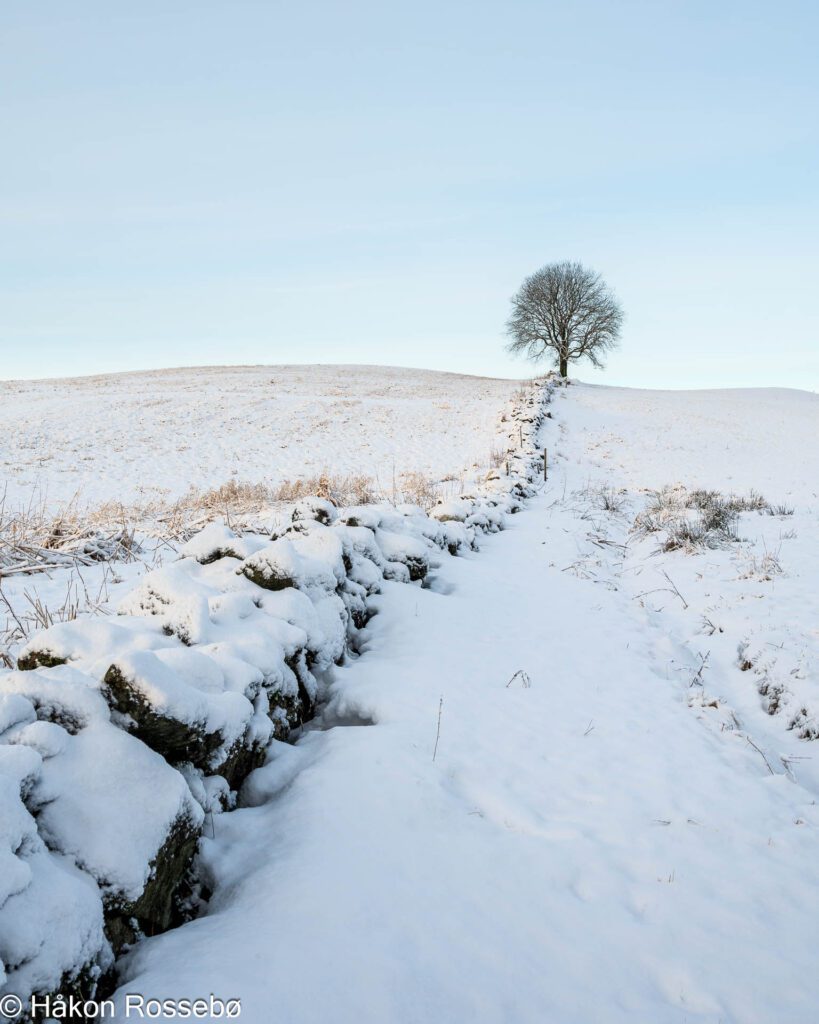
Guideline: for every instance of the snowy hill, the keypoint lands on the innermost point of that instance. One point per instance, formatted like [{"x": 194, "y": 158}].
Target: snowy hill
[
  {"x": 570, "y": 777},
  {"x": 137, "y": 438},
  {"x": 762, "y": 438}
]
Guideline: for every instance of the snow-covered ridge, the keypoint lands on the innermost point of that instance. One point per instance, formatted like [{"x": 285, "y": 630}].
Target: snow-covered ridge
[{"x": 118, "y": 736}]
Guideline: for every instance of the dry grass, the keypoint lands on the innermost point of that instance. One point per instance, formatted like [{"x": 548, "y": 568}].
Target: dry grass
[
  {"x": 600, "y": 498},
  {"x": 766, "y": 566},
  {"x": 713, "y": 524},
  {"x": 236, "y": 498},
  {"x": 668, "y": 512},
  {"x": 499, "y": 457},
  {"x": 33, "y": 539},
  {"x": 417, "y": 489},
  {"x": 29, "y": 613}
]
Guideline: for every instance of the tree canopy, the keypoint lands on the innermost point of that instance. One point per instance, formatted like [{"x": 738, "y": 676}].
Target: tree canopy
[{"x": 567, "y": 312}]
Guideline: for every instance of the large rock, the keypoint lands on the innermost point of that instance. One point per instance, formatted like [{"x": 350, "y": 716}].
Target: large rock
[
  {"x": 176, "y": 720},
  {"x": 51, "y": 913}
]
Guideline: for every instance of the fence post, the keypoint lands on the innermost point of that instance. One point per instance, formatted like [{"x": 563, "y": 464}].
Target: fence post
[{"x": 545, "y": 464}]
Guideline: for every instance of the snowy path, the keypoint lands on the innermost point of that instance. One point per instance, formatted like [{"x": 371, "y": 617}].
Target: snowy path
[{"x": 581, "y": 850}]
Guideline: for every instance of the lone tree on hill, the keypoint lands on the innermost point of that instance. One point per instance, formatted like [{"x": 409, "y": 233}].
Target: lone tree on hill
[{"x": 567, "y": 311}]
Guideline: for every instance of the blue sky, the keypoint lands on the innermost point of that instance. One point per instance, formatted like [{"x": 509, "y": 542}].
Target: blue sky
[{"x": 238, "y": 182}]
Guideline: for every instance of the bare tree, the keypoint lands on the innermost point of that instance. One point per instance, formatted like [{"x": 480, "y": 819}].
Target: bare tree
[{"x": 567, "y": 311}]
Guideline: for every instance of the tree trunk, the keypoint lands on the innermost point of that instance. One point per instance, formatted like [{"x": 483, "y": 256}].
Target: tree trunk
[{"x": 564, "y": 366}]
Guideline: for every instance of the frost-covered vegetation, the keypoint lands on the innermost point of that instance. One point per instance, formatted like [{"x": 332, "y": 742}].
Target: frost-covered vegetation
[{"x": 700, "y": 518}]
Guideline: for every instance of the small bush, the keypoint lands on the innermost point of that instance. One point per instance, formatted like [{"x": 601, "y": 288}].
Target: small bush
[
  {"x": 754, "y": 502},
  {"x": 719, "y": 517},
  {"x": 703, "y": 499},
  {"x": 610, "y": 500},
  {"x": 683, "y": 534},
  {"x": 417, "y": 489},
  {"x": 497, "y": 458},
  {"x": 603, "y": 497},
  {"x": 764, "y": 567},
  {"x": 669, "y": 511}
]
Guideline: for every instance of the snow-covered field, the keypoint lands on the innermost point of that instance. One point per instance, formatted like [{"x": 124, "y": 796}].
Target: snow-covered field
[
  {"x": 572, "y": 777},
  {"x": 731, "y": 440},
  {"x": 140, "y": 438},
  {"x": 758, "y": 593}
]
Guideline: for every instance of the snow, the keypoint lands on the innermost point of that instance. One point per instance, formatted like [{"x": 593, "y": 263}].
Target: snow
[
  {"x": 731, "y": 440},
  {"x": 754, "y": 602},
  {"x": 171, "y": 695},
  {"x": 568, "y": 778},
  {"x": 51, "y": 925},
  {"x": 138, "y": 797},
  {"x": 119, "y": 735},
  {"x": 136, "y": 438},
  {"x": 216, "y": 541},
  {"x": 87, "y": 641},
  {"x": 51, "y": 920},
  {"x": 61, "y": 694},
  {"x": 281, "y": 565},
  {"x": 603, "y": 844}
]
